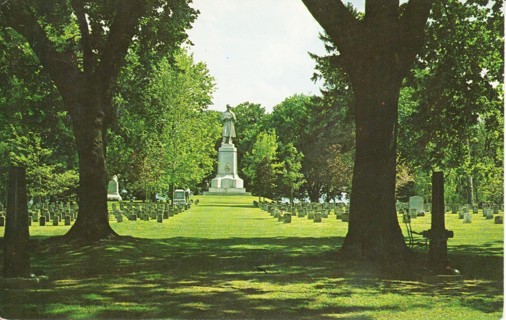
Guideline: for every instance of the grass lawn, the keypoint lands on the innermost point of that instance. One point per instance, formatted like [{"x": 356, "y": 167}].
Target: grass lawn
[{"x": 209, "y": 262}]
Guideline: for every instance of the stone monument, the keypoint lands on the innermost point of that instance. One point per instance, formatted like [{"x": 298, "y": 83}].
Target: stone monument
[
  {"x": 227, "y": 181},
  {"x": 113, "y": 189},
  {"x": 416, "y": 202}
]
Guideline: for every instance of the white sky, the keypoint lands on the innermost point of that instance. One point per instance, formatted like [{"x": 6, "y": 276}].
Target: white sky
[{"x": 257, "y": 50}]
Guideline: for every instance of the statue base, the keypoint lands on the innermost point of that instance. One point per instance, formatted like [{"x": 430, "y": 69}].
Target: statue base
[{"x": 227, "y": 180}]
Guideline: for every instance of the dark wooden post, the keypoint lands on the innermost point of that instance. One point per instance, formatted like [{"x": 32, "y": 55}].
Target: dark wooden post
[
  {"x": 16, "y": 255},
  {"x": 438, "y": 235}
]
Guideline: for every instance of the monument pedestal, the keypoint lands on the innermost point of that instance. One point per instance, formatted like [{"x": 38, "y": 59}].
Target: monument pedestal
[{"x": 227, "y": 181}]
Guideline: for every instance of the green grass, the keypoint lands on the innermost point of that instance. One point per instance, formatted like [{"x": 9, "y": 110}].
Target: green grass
[{"x": 202, "y": 264}]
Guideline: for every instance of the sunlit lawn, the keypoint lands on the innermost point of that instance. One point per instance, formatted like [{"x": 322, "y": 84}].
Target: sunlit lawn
[{"x": 209, "y": 262}]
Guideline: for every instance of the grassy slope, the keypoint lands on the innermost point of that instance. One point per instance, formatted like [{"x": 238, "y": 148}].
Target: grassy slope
[{"x": 204, "y": 263}]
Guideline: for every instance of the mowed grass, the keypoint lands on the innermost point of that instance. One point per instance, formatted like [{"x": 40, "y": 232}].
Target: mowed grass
[{"x": 224, "y": 259}]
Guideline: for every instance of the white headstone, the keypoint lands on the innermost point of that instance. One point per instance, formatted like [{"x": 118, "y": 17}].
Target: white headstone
[
  {"x": 416, "y": 202},
  {"x": 113, "y": 189}
]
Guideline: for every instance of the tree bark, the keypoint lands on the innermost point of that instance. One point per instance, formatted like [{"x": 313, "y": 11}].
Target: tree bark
[
  {"x": 92, "y": 222},
  {"x": 374, "y": 233},
  {"x": 376, "y": 52},
  {"x": 470, "y": 190}
]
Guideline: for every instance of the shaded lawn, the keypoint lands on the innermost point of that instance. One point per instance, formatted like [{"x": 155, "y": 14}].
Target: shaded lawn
[{"x": 212, "y": 262}]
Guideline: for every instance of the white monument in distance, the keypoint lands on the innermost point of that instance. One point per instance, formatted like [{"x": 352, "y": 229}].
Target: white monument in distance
[
  {"x": 227, "y": 181},
  {"x": 113, "y": 189}
]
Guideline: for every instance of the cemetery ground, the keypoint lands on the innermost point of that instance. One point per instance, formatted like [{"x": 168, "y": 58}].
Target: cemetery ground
[{"x": 225, "y": 259}]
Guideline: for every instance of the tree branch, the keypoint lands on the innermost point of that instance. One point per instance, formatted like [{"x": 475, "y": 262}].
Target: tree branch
[
  {"x": 120, "y": 36},
  {"x": 337, "y": 21},
  {"x": 88, "y": 57},
  {"x": 61, "y": 66},
  {"x": 380, "y": 9},
  {"x": 412, "y": 30},
  {"x": 123, "y": 27}
]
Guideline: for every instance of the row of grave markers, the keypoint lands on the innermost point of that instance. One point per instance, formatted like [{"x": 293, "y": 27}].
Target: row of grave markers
[
  {"x": 147, "y": 211},
  {"x": 313, "y": 211},
  {"x": 65, "y": 213},
  {"x": 465, "y": 212},
  {"x": 52, "y": 213}
]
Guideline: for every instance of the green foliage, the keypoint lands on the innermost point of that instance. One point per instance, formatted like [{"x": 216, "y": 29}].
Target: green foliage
[
  {"x": 165, "y": 137},
  {"x": 291, "y": 178},
  {"x": 451, "y": 107},
  {"x": 44, "y": 179},
  {"x": 30, "y": 102},
  {"x": 322, "y": 133},
  {"x": 250, "y": 122},
  {"x": 262, "y": 165}
]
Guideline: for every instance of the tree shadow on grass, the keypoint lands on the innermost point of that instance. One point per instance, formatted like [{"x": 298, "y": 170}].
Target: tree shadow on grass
[{"x": 238, "y": 278}]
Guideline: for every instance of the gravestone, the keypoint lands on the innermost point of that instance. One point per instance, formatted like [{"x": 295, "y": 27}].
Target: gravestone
[
  {"x": 67, "y": 220},
  {"x": 498, "y": 220},
  {"x": 35, "y": 216},
  {"x": 113, "y": 189},
  {"x": 468, "y": 218},
  {"x": 415, "y": 202},
  {"x": 317, "y": 217},
  {"x": 2, "y": 220},
  {"x": 42, "y": 221},
  {"x": 287, "y": 218},
  {"x": 16, "y": 239},
  {"x": 488, "y": 213}
]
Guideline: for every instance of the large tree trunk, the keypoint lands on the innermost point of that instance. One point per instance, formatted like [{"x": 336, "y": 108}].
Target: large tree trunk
[
  {"x": 374, "y": 233},
  {"x": 93, "y": 219},
  {"x": 376, "y": 52}
]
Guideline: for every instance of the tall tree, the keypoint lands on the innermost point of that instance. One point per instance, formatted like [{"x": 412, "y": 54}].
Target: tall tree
[
  {"x": 188, "y": 134},
  {"x": 451, "y": 108},
  {"x": 291, "y": 177},
  {"x": 262, "y": 165},
  {"x": 82, "y": 45},
  {"x": 250, "y": 122},
  {"x": 376, "y": 51}
]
